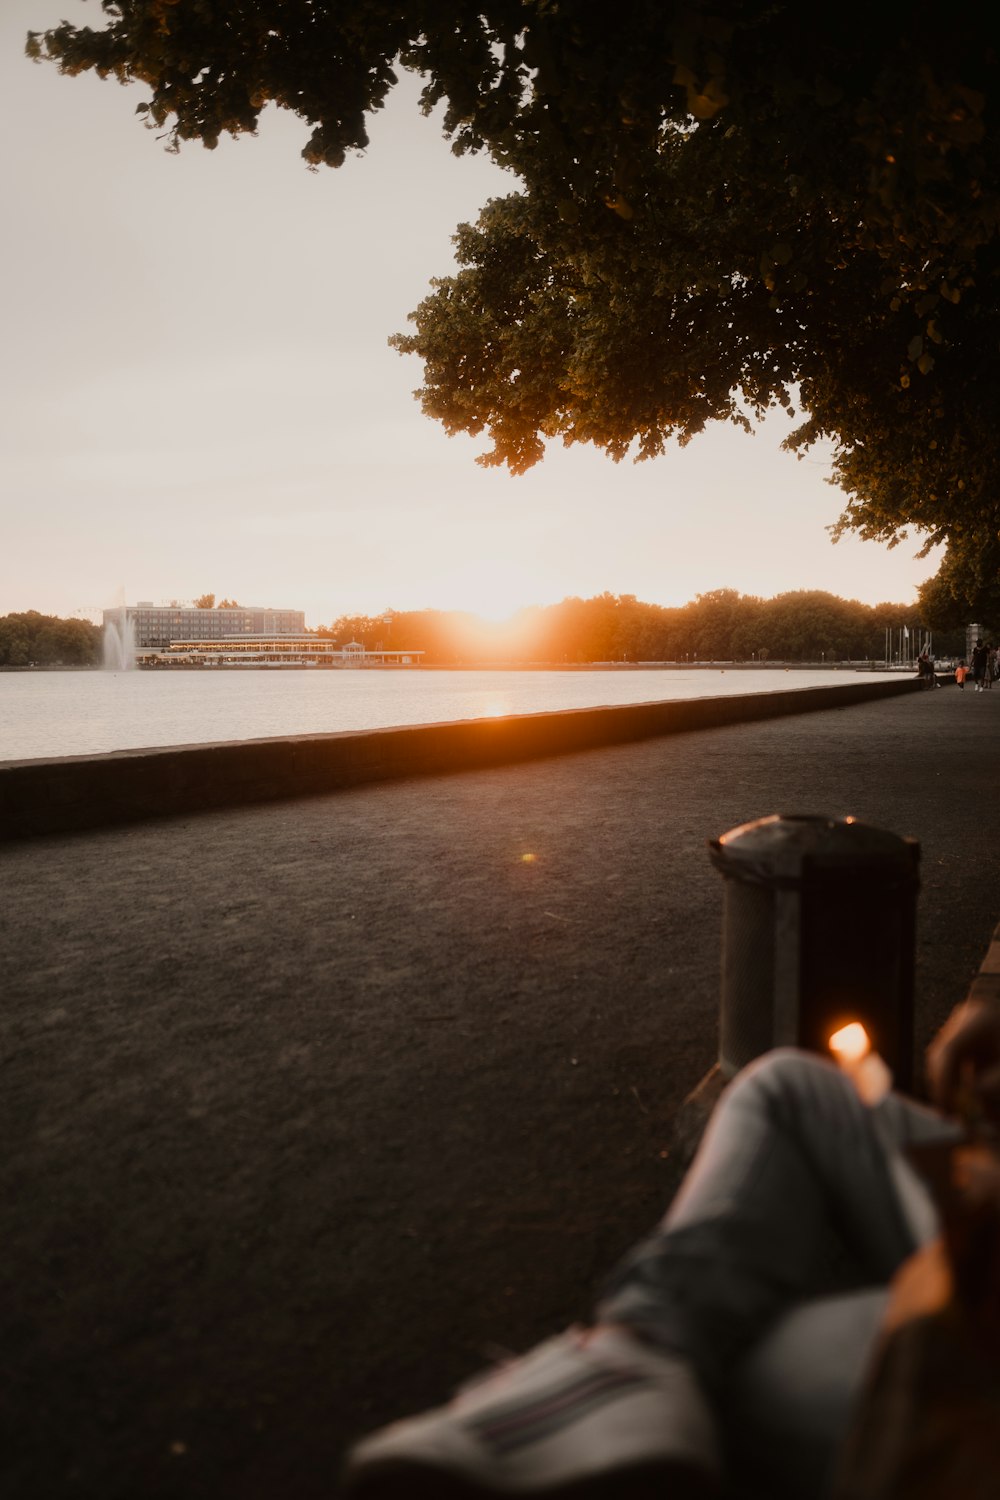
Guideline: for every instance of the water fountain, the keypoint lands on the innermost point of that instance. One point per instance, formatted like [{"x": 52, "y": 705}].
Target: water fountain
[{"x": 119, "y": 643}]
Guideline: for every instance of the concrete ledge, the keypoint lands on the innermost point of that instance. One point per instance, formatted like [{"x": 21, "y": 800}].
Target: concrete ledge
[{"x": 80, "y": 792}]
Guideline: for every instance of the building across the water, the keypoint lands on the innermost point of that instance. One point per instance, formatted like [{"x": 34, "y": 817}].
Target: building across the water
[
  {"x": 271, "y": 651},
  {"x": 153, "y": 627}
]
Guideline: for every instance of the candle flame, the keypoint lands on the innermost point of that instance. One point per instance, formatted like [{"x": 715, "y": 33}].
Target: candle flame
[{"x": 850, "y": 1044}]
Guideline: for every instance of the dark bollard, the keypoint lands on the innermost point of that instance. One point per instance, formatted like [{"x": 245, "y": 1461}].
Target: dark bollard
[{"x": 818, "y": 930}]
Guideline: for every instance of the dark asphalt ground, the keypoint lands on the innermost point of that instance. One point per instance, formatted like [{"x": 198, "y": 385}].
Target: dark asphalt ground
[{"x": 308, "y": 1108}]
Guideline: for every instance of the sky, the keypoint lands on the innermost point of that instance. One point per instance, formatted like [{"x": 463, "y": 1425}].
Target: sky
[{"x": 198, "y": 396}]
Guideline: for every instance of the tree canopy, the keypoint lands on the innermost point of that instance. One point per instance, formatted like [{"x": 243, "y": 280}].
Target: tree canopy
[
  {"x": 32, "y": 639},
  {"x": 722, "y": 207}
]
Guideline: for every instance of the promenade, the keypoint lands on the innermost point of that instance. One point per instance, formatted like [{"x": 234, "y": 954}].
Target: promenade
[{"x": 310, "y": 1107}]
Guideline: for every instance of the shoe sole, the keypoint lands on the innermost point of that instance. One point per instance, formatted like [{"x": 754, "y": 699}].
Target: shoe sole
[{"x": 402, "y": 1479}]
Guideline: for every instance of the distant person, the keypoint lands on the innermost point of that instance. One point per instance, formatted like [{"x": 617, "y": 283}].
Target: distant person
[
  {"x": 925, "y": 670},
  {"x": 961, "y": 673},
  {"x": 980, "y": 661},
  {"x": 991, "y": 660}
]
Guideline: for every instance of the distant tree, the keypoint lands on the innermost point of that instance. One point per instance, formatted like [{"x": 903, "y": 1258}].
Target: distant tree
[
  {"x": 746, "y": 628},
  {"x": 206, "y": 601},
  {"x": 713, "y": 621},
  {"x": 15, "y": 646},
  {"x": 228, "y": 604},
  {"x": 33, "y": 639},
  {"x": 965, "y": 587},
  {"x": 726, "y": 205}
]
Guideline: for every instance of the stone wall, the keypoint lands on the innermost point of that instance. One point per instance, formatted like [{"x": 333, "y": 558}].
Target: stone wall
[{"x": 79, "y": 792}]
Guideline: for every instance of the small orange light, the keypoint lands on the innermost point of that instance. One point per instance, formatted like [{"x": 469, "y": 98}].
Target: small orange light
[
  {"x": 850, "y": 1043},
  {"x": 868, "y": 1072},
  {"x": 528, "y": 859}
]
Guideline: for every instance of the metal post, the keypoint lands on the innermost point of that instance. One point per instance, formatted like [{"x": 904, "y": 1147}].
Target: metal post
[{"x": 819, "y": 929}]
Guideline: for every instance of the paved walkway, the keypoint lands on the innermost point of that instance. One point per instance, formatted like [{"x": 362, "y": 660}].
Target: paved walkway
[{"x": 308, "y": 1107}]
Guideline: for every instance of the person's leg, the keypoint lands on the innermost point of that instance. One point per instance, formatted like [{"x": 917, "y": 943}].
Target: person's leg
[
  {"x": 795, "y": 1182},
  {"x": 797, "y": 1191},
  {"x": 788, "y": 1407},
  {"x": 792, "y": 1167}
]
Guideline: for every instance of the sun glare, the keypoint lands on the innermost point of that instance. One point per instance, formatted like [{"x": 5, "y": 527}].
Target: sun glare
[
  {"x": 493, "y": 614},
  {"x": 494, "y": 591}
]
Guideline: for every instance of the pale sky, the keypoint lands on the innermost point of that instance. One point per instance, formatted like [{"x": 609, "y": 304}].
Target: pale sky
[{"x": 197, "y": 395}]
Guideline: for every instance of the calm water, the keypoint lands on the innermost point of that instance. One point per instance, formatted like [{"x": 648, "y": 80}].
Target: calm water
[{"x": 80, "y": 713}]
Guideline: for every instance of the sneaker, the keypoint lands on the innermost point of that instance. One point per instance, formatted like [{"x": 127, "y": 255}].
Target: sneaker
[{"x": 588, "y": 1414}]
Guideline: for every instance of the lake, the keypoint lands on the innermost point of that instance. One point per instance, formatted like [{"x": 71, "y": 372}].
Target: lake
[{"x": 84, "y": 713}]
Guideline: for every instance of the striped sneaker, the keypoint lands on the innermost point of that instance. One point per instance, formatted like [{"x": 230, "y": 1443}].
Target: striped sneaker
[{"x": 588, "y": 1414}]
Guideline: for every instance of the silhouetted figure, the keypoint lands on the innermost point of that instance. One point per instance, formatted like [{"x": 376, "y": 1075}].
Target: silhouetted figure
[{"x": 980, "y": 661}]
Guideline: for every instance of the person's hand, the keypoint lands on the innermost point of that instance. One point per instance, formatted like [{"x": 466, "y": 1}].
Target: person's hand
[{"x": 963, "y": 1061}]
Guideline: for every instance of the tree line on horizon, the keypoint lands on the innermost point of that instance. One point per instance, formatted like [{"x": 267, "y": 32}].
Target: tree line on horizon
[
  {"x": 32, "y": 639},
  {"x": 723, "y": 625}
]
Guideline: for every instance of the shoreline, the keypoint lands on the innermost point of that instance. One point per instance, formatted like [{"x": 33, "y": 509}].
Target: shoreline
[
  {"x": 71, "y": 793},
  {"x": 504, "y": 666}
]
